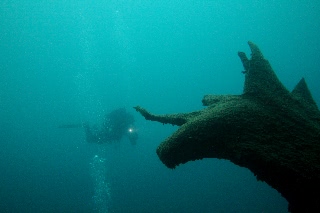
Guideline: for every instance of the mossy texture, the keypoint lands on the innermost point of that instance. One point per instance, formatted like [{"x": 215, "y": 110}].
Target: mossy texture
[{"x": 269, "y": 130}]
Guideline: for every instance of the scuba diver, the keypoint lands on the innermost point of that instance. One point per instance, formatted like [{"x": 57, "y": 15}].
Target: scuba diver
[{"x": 116, "y": 124}]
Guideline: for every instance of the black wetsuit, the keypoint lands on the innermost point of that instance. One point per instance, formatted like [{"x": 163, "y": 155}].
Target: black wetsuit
[{"x": 117, "y": 124}]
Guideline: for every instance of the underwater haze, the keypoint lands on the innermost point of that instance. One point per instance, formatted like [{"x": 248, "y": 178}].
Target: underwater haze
[{"x": 69, "y": 62}]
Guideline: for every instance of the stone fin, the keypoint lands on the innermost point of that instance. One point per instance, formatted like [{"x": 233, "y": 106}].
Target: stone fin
[
  {"x": 260, "y": 79},
  {"x": 302, "y": 93}
]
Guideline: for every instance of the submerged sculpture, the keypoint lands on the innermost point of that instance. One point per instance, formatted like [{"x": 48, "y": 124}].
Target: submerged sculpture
[{"x": 267, "y": 129}]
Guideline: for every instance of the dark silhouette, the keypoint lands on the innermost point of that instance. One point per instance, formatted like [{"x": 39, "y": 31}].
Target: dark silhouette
[{"x": 117, "y": 124}]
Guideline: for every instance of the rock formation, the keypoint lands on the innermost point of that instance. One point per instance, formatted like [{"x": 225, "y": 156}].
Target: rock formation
[{"x": 269, "y": 130}]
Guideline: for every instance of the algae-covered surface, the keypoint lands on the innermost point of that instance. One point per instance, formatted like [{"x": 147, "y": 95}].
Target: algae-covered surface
[{"x": 269, "y": 130}]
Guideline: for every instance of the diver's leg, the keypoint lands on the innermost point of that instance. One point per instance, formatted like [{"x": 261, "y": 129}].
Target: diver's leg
[{"x": 133, "y": 137}]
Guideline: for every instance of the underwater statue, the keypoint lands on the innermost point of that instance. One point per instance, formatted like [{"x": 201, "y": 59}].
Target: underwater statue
[{"x": 269, "y": 130}]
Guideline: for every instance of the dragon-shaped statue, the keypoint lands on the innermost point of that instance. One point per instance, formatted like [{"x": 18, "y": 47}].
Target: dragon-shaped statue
[{"x": 269, "y": 130}]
